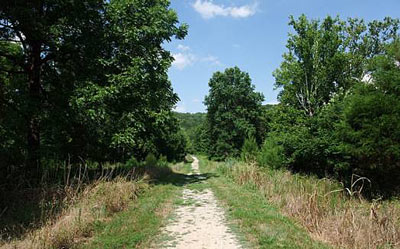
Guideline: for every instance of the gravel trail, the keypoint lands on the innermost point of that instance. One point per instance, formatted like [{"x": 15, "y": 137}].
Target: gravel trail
[{"x": 199, "y": 223}]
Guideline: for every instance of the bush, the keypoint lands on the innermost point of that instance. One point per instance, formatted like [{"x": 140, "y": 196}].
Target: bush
[
  {"x": 271, "y": 154},
  {"x": 249, "y": 150},
  {"x": 151, "y": 160},
  {"x": 162, "y": 161},
  {"x": 132, "y": 163}
]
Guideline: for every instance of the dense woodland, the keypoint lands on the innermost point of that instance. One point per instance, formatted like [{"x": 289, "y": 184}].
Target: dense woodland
[
  {"x": 86, "y": 81},
  {"x": 339, "y": 111},
  {"x": 191, "y": 125},
  {"x": 87, "y": 125}
]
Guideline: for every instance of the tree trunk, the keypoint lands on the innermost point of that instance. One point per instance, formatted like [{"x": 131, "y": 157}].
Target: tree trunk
[{"x": 34, "y": 85}]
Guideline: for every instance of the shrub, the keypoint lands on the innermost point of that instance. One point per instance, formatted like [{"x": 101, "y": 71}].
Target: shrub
[
  {"x": 162, "y": 161},
  {"x": 249, "y": 150},
  {"x": 132, "y": 163},
  {"x": 271, "y": 154},
  {"x": 151, "y": 160}
]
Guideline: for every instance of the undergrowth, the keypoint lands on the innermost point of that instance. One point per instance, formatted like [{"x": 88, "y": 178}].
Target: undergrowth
[
  {"x": 331, "y": 213},
  {"x": 65, "y": 214}
]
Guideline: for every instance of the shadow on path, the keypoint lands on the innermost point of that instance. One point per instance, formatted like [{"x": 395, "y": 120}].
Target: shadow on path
[{"x": 178, "y": 179}]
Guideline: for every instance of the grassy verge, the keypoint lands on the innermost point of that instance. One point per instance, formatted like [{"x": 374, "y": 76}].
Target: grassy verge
[
  {"x": 263, "y": 225},
  {"x": 135, "y": 227},
  {"x": 107, "y": 213},
  {"x": 183, "y": 167},
  {"x": 97, "y": 203},
  {"x": 321, "y": 206}
]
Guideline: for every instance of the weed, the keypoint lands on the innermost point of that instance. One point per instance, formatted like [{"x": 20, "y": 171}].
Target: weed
[{"x": 329, "y": 212}]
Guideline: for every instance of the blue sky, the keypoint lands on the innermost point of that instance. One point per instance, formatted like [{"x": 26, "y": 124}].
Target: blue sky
[{"x": 250, "y": 34}]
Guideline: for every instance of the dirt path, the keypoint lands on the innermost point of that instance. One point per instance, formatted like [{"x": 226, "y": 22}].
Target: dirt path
[{"x": 199, "y": 223}]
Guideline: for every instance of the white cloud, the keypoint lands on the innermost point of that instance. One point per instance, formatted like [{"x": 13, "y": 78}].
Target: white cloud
[
  {"x": 208, "y": 9},
  {"x": 183, "y": 48},
  {"x": 196, "y": 101},
  {"x": 183, "y": 60},
  {"x": 180, "y": 107},
  {"x": 273, "y": 102},
  {"x": 212, "y": 60}
]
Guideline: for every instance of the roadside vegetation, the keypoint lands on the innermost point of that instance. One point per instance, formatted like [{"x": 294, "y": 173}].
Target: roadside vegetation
[
  {"x": 281, "y": 207},
  {"x": 88, "y": 133},
  {"x": 191, "y": 125},
  {"x": 260, "y": 221},
  {"x": 328, "y": 153},
  {"x": 85, "y": 114},
  {"x": 117, "y": 210},
  {"x": 338, "y": 115}
]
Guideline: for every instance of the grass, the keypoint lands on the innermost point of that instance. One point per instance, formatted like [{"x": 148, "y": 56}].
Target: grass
[
  {"x": 262, "y": 223},
  {"x": 267, "y": 209},
  {"x": 105, "y": 213},
  {"x": 182, "y": 167},
  {"x": 97, "y": 203},
  {"x": 140, "y": 223},
  {"x": 135, "y": 227},
  {"x": 321, "y": 206}
]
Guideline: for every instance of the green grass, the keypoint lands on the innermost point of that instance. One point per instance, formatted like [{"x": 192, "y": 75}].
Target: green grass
[
  {"x": 262, "y": 223},
  {"x": 135, "y": 227},
  {"x": 257, "y": 223},
  {"x": 183, "y": 168}
]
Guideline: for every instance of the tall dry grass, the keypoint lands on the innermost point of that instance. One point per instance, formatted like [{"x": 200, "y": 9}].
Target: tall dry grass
[
  {"x": 338, "y": 216},
  {"x": 95, "y": 202}
]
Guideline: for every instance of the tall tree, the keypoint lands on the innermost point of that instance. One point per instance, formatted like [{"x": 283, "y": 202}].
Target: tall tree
[
  {"x": 234, "y": 112},
  {"x": 47, "y": 31},
  {"x": 132, "y": 108},
  {"x": 326, "y": 57},
  {"x": 95, "y": 73}
]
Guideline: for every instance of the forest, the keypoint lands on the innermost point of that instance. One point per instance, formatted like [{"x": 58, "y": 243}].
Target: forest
[
  {"x": 88, "y": 85},
  {"x": 339, "y": 112},
  {"x": 84, "y": 89}
]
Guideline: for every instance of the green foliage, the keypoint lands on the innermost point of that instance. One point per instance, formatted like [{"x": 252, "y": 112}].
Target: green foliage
[
  {"x": 339, "y": 102},
  {"x": 151, "y": 160},
  {"x": 328, "y": 56},
  {"x": 315, "y": 66},
  {"x": 234, "y": 113},
  {"x": 188, "y": 159},
  {"x": 370, "y": 125},
  {"x": 86, "y": 80},
  {"x": 191, "y": 125},
  {"x": 271, "y": 154},
  {"x": 132, "y": 163},
  {"x": 249, "y": 150}
]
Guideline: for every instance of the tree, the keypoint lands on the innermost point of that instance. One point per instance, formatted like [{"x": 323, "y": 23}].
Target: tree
[
  {"x": 89, "y": 79},
  {"x": 339, "y": 105},
  {"x": 234, "y": 113},
  {"x": 326, "y": 57},
  {"x": 192, "y": 126},
  {"x": 369, "y": 129},
  {"x": 131, "y": 109},
  {"x": 47, "y": 32}
]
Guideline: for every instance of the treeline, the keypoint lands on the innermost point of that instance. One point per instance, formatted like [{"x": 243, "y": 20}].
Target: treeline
[
  {"x": 191, "y": 125},
  {"x": 85, "y": 80},
  {"x": 339, "y": 110}
]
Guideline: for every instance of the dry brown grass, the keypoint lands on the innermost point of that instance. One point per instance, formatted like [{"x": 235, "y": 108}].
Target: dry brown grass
[
  {"x": 327, "y": 210},
  {"x": 96, "y": 202}
]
